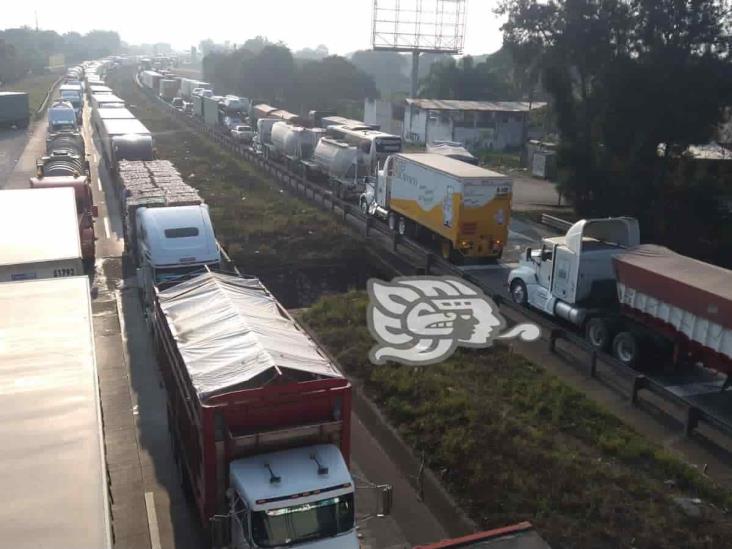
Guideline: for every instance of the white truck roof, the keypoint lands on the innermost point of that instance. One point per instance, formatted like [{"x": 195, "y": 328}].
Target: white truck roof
[
  {"x": 298, "y": 474},
  {"x": 53, "y": 473},
  {"x": 170, "y": 238},
  {"x": 450, "y": 166},
  {"x": 38, "y": 225}
]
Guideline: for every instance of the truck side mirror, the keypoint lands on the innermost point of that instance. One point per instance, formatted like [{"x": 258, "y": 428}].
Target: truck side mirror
[{"x": 220, "y": 528}]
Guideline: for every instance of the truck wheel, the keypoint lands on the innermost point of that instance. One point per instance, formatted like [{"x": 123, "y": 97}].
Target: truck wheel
[
  {"x": 519, "y": 294},
  {"x": 392, "y": 222},
  {"x": 597, "y": 332},
  {"x": 626, "y": 348},
  {"x": 364, "y": 207},
  {"x": 446, "y": 250},
  {"x": 402, "y": 226}
]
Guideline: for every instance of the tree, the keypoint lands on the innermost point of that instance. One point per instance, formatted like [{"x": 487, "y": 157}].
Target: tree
[
  {"x": 625, "y": 76},
  {"x": 464, "y": 79},
  {"x": 388, "y": 69}
]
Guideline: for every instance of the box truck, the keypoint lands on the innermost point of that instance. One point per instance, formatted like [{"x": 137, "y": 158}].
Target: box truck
[
  {"x": 124, "y": 139},
  {"x": 39, "y": 234},
  {"x": 54, "y": 474},
  {"x": 630, "y": 298},
  {"x": 14, "y": 109},
  {"x": 259, "y": 417},
  {"x": 467, "y": 209}
]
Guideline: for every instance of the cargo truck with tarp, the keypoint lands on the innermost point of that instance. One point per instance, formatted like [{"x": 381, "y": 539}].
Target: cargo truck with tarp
[
  {"x": 124, "y": 139},
  {"x": 53, "y": 474},
  {"x": 259, "y": 417},
  {"x": 39, "y": 235},
  {"x": 464, "y": 208},
  {"x": 630, "y": 299}
]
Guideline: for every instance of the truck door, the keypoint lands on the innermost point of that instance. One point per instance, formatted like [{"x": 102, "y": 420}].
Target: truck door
[{"x": 562, "y": 274}]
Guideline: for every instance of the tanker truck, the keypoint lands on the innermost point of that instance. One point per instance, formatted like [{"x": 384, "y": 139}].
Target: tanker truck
[{"x": 627, "y": 298}]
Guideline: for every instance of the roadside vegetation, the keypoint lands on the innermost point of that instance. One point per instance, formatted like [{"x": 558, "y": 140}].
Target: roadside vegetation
[
  {"x": 513, "y": 443},
  {"x": 36, "y": 86},
  {"x": 261, "y": 226}
]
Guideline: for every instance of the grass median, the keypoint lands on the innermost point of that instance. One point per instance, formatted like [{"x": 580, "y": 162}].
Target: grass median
[
  {"x": 262, "y": 226},
  {"x": 37, "y": 88},
  {"x": 514, "y": 443}
]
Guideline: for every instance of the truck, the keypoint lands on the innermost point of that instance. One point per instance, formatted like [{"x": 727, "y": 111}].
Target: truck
[
  {"x": 327, "y": 121},
  {"x": 151, "y": 80},
  {"x": 187, "y": 85},
  {"x": 264, "y": 132},
  {"x": 125, "y": 139},
  {"x": 341, "y": 165},
  {"x": 45, "y": 235},
  {"x": 74, "y": 94},
  {"x": 62, "y": 116},
  {"x": 169, "y": 89},
  {"x": 260, "y": 110},
  {"x": 51, "y": 435},
  {"x": 295, "y": 144},
  {"x": 167, "y": 227},
  {"x": 452, "y": 149},
  {"x": 631, "y": 299},
  {"x": 71, "y": 142},
  {"x": 62, "y": 169},
  {"x": 210, "y": 108},
  {"x": 107, "y": 101},
  {"x": 14, "y": 109},
  {"x": 465, "y": 209},
  {"x": 373, "y": 146},
  {"x": 110, "y": 113},
  {"x": 98, "y": 89},
  {"x": 259, "y": 417}
]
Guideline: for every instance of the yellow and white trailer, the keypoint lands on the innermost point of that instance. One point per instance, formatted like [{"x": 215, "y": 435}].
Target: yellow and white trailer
[{"x": 467, "y": 208}]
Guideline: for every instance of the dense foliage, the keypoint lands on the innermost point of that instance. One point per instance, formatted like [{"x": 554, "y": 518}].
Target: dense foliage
[
  {"x": 624, "y": 77},
  {"x": 272, "y": 74},
  {"x": 24, "y": 50}
]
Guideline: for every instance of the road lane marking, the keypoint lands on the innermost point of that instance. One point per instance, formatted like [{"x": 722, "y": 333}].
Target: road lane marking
[
  {"x": 106, "y": 226},
  {"x": 152, "y": 520}
]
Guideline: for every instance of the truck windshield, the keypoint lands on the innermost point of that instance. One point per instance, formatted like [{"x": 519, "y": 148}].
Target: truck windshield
[{"x": 301, "y": 523}]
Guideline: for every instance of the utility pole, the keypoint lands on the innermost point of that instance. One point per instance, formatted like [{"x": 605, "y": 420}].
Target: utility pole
[{"x": 36, "y": 14}]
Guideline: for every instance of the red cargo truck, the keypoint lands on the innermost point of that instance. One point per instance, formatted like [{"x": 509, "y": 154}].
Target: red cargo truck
[{"x": 259, "y": 417}]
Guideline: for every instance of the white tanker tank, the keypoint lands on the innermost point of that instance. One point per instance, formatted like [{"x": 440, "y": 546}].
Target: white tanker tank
[{"x": 341, "y": 164}]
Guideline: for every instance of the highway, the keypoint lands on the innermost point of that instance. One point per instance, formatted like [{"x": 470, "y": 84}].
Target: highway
[{"x": 148, "y": 502}]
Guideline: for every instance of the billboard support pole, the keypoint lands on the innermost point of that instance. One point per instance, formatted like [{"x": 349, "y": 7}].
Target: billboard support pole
[{"x": 415, "y": 73}]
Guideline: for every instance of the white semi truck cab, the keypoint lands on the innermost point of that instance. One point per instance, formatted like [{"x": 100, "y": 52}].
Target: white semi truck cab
[
  {"x": 301, "y": 497},
  {"x": 572, "y": 277},
  {"x": 171, "y": 243}
]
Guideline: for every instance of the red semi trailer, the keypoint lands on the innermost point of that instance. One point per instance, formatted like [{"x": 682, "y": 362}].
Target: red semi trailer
[{"x": 259, "y": 417}]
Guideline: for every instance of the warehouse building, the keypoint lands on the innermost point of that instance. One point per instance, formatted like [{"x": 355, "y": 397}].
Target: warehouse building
[{"x": 492, "y": 125}]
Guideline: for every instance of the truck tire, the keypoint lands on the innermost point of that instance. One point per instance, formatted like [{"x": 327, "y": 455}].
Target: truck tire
[
  {"x": 626, "y": 348},
  {"x": 392, "y": 222},
  {"x": 519, "y": 294},
  {"x": 598, "y": 333},
  {"x": 403, "y": 226},
  {"x": 364, "y": 207}
]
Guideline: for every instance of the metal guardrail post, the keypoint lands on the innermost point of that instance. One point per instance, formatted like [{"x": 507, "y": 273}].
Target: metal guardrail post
[
  {"x": 346, "y": 210},
  {"x": 367, "y": 225},
  {"x": 639, "y": 382},
  {"x": 428, "y": 261},
  {"x": 692, "y": 420},
  {"x": 395, "y": 241},
  {"x": 593, "y": 364},
  {"x": 554, "y": 335}
]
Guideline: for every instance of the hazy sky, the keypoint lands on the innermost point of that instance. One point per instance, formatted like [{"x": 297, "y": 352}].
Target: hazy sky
[{"x": 342, "y": 25}]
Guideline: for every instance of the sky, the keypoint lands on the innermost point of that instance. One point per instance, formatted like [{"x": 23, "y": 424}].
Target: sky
[{"x": 342, "y": 25}]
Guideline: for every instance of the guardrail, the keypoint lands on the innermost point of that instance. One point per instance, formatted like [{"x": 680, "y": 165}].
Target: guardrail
[
  {"x": 48, "y": 96},
  {"x": 555, "y": 222},
  {"x": 433, "y": 264}
]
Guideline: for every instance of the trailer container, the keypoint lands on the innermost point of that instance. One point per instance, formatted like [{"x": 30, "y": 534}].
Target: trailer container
[
  {"x": 187, "y": 85},
  {"x": 113, "y": 113},
  {"x": 259, "y": 417},
  {"x": 53, "y": 476},
  {"x": 465, "y": 207},
  {"x": 261, "y": 110},
  {"x": 151, "y": 80},
  {"x": 39, "y": 235},
  {"x": 169, "y": 88},
  {"x": 124, "y": 140},
  {"x": 106, "y": 100},
  {"x": 210, "y": 107},
  {"x": 340, "y": 163}
]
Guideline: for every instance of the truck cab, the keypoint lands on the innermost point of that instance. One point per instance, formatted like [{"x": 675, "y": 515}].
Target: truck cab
[
  {"x": 62, "y": 116},
  {"x": 172, "y": 243},
  {"x": 301, "y": 497},
  {"x": 572, "y": 276}
]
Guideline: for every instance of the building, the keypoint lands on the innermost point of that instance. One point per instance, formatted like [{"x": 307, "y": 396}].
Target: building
[
  {"x": 388, "y": 116},
  {"x": 492, "y": 125}
]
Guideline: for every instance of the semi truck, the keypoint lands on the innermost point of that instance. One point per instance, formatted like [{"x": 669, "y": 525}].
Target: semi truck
[
  {"x": 629, "y": 298},
  {"x": 151, "y": 80},
  {"x": 74, "y": 94},
  {"x": 112, "y": 113},
  {"x": 124, "y": 139},
  {"x": 62, "y": 116},
  {"x": 169, "y": 89},
  {"x": 294, "y": 145},
  {"x": 466, "y": 209},
  {"x": 259, "y": 417},
  {"x": 210, "y": 108},
  {"x": 187, "y": 85},
  {"x": 107, "y": 101},
  {"x": 71, "y": 142},
  {"x": 41, "y": 235},
  {"x": 14, "y": 109},
  {"x": 54, "y": 474}
]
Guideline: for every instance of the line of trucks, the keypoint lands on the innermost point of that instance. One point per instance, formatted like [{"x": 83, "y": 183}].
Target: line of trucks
[{"x": 441, "y": 196}]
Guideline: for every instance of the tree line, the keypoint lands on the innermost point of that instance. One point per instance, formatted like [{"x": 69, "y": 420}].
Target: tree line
[
  {"x": 26, "y": 51},
  {"x": 633, "y": 84},
  {"x": 269, "y": 72}
]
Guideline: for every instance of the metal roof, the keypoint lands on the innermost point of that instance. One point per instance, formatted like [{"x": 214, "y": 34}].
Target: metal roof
[
  {"x": 460, "y": 105},
  {"x": 456, "y": 168},
  {"x": 38, "y": 225},
  {"x": 50, "y": 422}
]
